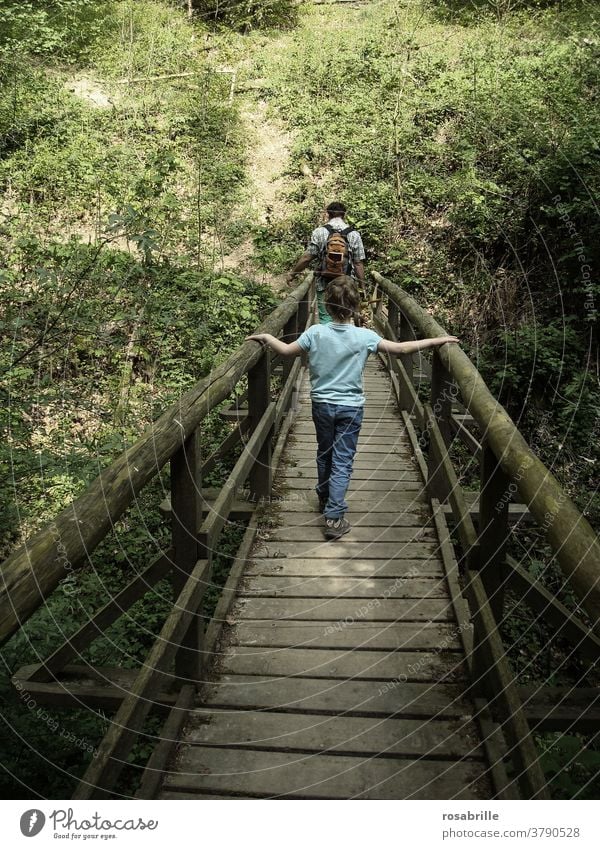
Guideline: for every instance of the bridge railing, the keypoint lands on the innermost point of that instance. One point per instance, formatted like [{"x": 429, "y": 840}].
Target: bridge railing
[
  {"x": 507, "y": 466},
  {"x": 31, "y": 573}
]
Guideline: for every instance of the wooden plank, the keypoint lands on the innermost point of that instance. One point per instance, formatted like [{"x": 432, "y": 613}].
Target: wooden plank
[
  {"x": 329, "y": 734},
  {"x": 573, "y": 710},
  {"x": 341, "y": 567},
  {"x": 367, "y": 485},
  {"x": 216, "y": 519},
  {"x": 169, "y": 736},
  {"x": 123, "y": 730},
  {"x": 99, "y": 688},
  {"x": 345, "y": 548},
  {"x": 359, "y": 636},
  {"x": 314, "y": 533},
  {"x": 372, "y": 519},
  {"x": 103, "y": 619},
  {"x": 302, "y": 501},
  {"x": 357, "y": 698},
  {"x": 407, "y": 473},
  {"x": 280, "y": 586},
  {"x": 282, "y": 775},
  {"x": 367, "y": 610},
  {"x": 494, "y": 677},
  {"x": 375, "y": 665},
  {"x": 564, "y": 622}
]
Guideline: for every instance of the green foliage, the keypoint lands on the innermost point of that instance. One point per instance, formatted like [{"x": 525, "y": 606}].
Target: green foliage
[
  {"x": 64, "y": 29},
  {"x": 571, "y": 766},
  {"x": 249, "y": 14}
]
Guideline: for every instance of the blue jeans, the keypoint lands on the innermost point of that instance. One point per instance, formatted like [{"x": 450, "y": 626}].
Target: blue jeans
[{"x": 337, "y": 430}]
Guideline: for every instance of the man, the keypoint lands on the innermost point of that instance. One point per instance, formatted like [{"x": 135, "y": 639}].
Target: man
[{"x": 336, "y": 213}]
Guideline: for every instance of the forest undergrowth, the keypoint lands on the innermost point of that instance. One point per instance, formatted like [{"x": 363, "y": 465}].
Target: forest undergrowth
[{"x": 462, "y": 135}]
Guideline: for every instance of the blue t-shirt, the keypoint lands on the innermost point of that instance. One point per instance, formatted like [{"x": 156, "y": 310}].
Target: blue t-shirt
[{"x": 337, "y": 354}]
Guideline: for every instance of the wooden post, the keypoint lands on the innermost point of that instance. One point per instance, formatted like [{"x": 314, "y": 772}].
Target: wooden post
[
  {"x": 405, "y": 334},
  {"x": 302, "y": 314},
  {"x": 259, "y": 398},
  {"x": 393, "y": 318},
  {"x": 290, "y": 334},
  {"x": 494, "y": 498},
  {"x": 186, "y": 518},
  {"x": 443, "y": 394}
]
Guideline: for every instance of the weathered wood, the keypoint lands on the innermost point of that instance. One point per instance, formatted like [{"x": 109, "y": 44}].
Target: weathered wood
[
  {"x": 230, "y": 441},
  {"x": 449, "y": 487},
  {"x": 117, "y": 742},
  {"x": 492, "y": 675},
  {"x": 104, "y": 618},
  {"x": 443, "y": 395},
  {"x": 97, "y": 688},
  {"x": 572, "y": 710},
  {"x": 415, "y": 518},
  {"x": 259, "y": 400},
  {"x": 365, "y": 610},
  {"x": 340, "y": 664},
  {"x": 153, "y": 773},
  {"x": 569, "y": 533},
  {"x": 282, "y": 775},
  {"x": 31, "y": 573},
  {"x": 217, "y": 517},
  {"x": 466, "y": 437},
  {"x": 283, "y": 586},
  {"x": 493, "y": 529},
  {"x": 357, "y": 636},
  {"x": 345, "y": 548},
  {"x": 359, "y": 474},
  {"x": 342, "y": 567},
  {"x": 349, "y": 735},
  {"x": 565, "y": 624},
  {"x": 188, "y": 548}
]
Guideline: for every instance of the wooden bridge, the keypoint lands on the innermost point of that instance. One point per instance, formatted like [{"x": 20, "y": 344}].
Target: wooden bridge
[{"x": 370, "y": 667}]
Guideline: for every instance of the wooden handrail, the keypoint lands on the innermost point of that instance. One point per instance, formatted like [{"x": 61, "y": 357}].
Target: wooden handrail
[
  {"x": 30, "y": 574},
  {"x": 570, "y": 535}
]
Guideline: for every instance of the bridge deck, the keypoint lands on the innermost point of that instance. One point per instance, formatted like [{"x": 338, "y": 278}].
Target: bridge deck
[{"x": 341, "y": 674}]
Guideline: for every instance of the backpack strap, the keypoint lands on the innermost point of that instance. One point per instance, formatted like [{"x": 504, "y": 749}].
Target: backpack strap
[
  {"x": 346, "y": 231},
  {"x": 330, "y": 229}
]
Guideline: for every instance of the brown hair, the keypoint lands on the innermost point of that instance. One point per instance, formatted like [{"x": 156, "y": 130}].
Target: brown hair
[{"x": 341, "y": 298}]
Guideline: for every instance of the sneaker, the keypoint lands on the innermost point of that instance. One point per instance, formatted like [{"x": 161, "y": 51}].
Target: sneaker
[
  {"x": 322, "y": 504},
  {"x": 336, "y": 528}
]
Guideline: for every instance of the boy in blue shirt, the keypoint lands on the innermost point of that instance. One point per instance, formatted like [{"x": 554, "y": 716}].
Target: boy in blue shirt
[{"x": 337, "y": 354}]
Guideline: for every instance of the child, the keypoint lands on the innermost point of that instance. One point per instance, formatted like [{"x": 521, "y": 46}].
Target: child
[{"x": 337, "y": 354}]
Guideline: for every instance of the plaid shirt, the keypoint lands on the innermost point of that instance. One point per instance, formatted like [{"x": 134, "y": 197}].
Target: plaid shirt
[{"x": 318, "y": 241}]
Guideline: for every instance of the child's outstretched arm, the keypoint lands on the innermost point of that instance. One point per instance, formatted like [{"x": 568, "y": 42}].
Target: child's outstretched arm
[
  {"x": 286, "y": 349},
  {"x": 410, "y": 347}
]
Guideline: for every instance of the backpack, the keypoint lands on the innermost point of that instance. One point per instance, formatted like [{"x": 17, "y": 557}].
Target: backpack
[{"x": 336, "y": 257}]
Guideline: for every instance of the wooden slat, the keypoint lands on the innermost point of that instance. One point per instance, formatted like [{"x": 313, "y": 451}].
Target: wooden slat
[
  {"x": 345, "y": 567},
  {"x": 216, "y": 519},
  {"x": 117, "y": 742},
  {"x": 346, "y": 548},
  {"x": 572, "y": 710},
  {"x": 392, "y": 476},
  {"x": 366, "y": 610},
  {"x": 350, "y": 735},
  {"x": 153, "y": 773},
  {"x": 359, "y": 636},
  {"x": 279, "y": 586},
  {"x": 282, "y": 775},
  {"x": 360, "y": 533},
  {"x": 564, "y": 622},
  {"x": 340, "y": 664},
  {"x": 372, "y": 519},
  {"x": 103, "y": 619}
]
